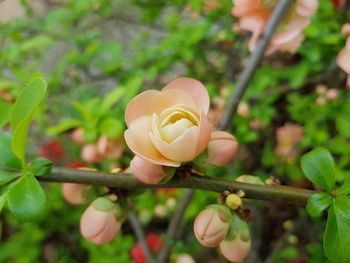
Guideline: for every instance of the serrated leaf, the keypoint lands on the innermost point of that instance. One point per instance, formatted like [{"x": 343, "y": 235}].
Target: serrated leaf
[
  {"x": 7, "y": 158},
  {"x": 336, "y": 238},
  {"x": 41, "y": 166},
  {"x": 63, "y": 126},
  {"x": 318, "y": 166},
  {"x": 22, "y": 113},
  {"x": 318, "y": 203},
  {"x": 5, "y": 112},
  {"x": 111, "y": 127},
  {"x": 6, "y": 176},
  {"x": 26, "y": 198}
]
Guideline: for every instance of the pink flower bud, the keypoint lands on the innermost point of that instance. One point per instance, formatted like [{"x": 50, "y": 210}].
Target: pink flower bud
[
  {"x": 74, "y": 193},
  {"x": 185, "y": 258},
  {"x": 222, "y": 148},
  {"x": 90, "y": 154},
  {"x": 210, "y": 227},
  {"x": 332, "y": 94},
  {"x": 147, "y": 172},
  {"x": 243, "y": 109},
  {"x": 100, "y": 226},
  {"x": 345, "y": 30},
  {"x": 321, "y": 89},
  {"x": 77, "y": 136},
  {"x": 235, "y": 250},
  {"x": 110, "y": 148}
]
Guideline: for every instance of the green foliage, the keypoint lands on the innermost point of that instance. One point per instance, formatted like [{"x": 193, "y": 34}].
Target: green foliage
[
  {"x": 7, "y": 158},
  {"x": 26, "y": 198},
  {"x": 318, "y": 166},
  {"x": 22, "y": 114}
]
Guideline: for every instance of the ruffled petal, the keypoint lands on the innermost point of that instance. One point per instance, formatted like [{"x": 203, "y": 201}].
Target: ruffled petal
[
  {"x": 194, "y": 88},
  {"x": 139, "y": 105},
  {"x": 138, "y": 140}
]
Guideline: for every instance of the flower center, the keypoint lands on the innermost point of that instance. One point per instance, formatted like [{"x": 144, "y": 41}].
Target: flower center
[{"x": 175, "y": 121}]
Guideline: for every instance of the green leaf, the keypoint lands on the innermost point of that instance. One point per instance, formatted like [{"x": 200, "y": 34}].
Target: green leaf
[
  {"x": 336, "y": 238},
  {"x": 3, "y": 200},
  {"x": 22, "y": 113},
  {"x": 41, "y": 166},
  {"x": 63, "y": 126},
  {"x": 111, "y": 127},
  {"x": 112, "y": 98},
  {"x": 318, "y": 166},
  {"x": 36, "y": 42},
  {"x": 5, "y": 112},
  {"x": 7, "y": 158},
  {"x": 344, "y": 189},
  {"x": 317, "y": 203},
  {"x": 6, "y": 176},
  {"x": 26, "y": 198}
]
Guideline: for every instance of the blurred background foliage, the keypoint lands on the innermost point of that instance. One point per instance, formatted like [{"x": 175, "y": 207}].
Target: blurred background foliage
[{"x": 98, "y": 54}]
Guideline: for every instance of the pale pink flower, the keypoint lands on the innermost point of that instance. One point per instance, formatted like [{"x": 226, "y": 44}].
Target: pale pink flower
[
  {"x": 253, "y": 15},
  {"x": 91, "y": 154},
  {"x": 185, "y": 258},
  {"x": 77, "y": 136},
  {"x": 222, "y": 148},
  {"x": 170, "y": 126},
  {"x": 287, "y": 137},
  {"x": 110, "y": 148},
  {"x": 74, "y": 193},
  {"x": 343, "y": 59},
  {"x": 211, "y": 227}
]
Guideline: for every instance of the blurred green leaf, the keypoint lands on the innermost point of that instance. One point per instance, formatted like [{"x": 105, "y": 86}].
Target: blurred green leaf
[
  {"x": 6, "y": 176},
  {"x": 26, "y": 198},
  {"x": 5, "y": 112},
  {"x": 7, "y": 157},
  {"x": 111, "y": 98},
  {"x": 63, "y": 126},
  {"x": 21, "y": 116},
  {"x": 111, "y": 127},
  {"x": 3, "y": 200},
  {"x": 318, "y": 203},
  {"x": 318, "y": 166},
  {"x": 41, "y": 166}
]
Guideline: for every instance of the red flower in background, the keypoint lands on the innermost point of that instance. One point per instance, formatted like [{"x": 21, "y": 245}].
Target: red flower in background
[
  {"x": 52, "y": 150},
  {"x": 338, "y": 3},
  {"x": 75, "y": 164},
  {"x": 155, "y": 244}
]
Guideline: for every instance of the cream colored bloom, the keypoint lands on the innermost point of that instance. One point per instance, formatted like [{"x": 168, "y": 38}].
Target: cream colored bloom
[{"x": 170, "y": 126}]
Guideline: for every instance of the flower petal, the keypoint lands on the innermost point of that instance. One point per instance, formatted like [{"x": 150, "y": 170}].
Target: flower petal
[
  {"x": 147, "y": 172},
  {"x": 138, "y": 140},
  {"x": 194, "y": 88},
  {"x": 183, "y": 149},
  {"x": 343, "y": 60},
  {"x": 189, "y": 145},
  {"x": 139, "y": 105}
]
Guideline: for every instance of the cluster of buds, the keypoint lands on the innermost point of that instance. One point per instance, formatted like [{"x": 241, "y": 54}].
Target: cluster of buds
[
  {"x": 96, "y": 153},
  {"x": 325, "y": 94},
  {"x": 217, "y": 226}
]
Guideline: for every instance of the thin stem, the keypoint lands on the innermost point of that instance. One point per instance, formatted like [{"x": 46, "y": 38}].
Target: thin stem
[
  {"x": 174, "y": 225},
  {"x": 254, "y": 61},
  {"x": 195, "y": 181},
  {"x": 135, "y": 224}
]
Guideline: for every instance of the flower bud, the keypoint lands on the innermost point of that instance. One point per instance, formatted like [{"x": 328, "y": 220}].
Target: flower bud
[
  {"x": 211, "y": 227},
  {"x": 320, "y": 101},
  {"x": 147, "y": 172},
  {"x": 321, "y": 89},
  {"x": 77, "y": 136},
  {"x": 243, "y": 109},
  {"x": 110, "y": 148},
  {"x": 222, "y": 148},
  {"x": 99, "y": 224},
  {"x": 249, "y": 179},
  {"x": 235, "y": 250},
  {"x": 345, "y": 30},
  {"x": 332, "y": 94},
  {"x": 233, "y": 201},
  {"x": 91, "y": 154},
  {"x": 74, "y": 193},
  {"x": 185, "y": 258}
]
